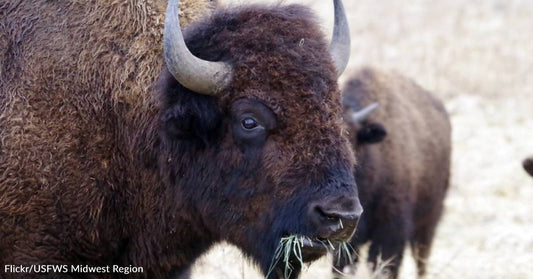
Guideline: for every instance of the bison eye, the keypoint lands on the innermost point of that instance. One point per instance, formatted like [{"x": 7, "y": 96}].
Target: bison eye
[{"x": 249, "y": 123}]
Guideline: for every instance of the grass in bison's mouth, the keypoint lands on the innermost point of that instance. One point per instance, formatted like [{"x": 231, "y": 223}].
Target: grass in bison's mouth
[
  {"x": 344, "y": 252},
  {"x": 290, "y": 248}
]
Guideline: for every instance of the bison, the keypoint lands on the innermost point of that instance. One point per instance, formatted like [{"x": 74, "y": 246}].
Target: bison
[
  {"x": 117, "y": 151},
  {"x": 528, "y": 165},
  {"x": 403, "y": 169}
]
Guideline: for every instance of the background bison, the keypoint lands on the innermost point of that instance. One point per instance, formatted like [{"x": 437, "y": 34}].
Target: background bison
[
  {"x": 402, "y": 180},
  {"x": 97, "y": 169}
]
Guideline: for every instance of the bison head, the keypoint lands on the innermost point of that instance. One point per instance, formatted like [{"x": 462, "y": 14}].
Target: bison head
[
  {"x": 251, "y": 128},
  {"x": 363, "y": 131}
]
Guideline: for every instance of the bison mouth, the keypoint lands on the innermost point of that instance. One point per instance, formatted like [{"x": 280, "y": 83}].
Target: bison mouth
[
  {"x": 314, "y": 248},
  {"x": 294, "y": 251}
]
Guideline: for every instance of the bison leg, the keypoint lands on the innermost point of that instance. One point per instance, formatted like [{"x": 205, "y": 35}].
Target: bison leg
[
  {"x": 421, "y": 246},
  {"x": 387, "y": 245},
  {"x": 421, "y": 249},
  {"x": 423, "y": 236}
]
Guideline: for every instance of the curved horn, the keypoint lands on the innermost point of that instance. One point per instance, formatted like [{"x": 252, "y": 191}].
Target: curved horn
[
  {"x": 361, "y": 115},
  {"x": 201, "y": 76},
  {"x": 339, "y": 47}
]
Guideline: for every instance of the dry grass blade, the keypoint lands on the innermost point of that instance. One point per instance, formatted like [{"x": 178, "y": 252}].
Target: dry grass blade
[
  {"x": 289, "y": 247},
  {"x": 344, "y": 252}
]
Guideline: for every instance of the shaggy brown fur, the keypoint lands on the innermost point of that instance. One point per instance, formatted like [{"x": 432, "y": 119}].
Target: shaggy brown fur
[
  {"x": 96, "y": 169},
  {"x": 528, "y": 165},
  {"x": 74, "y": 77},
  {"x": 403, "y": 180}
]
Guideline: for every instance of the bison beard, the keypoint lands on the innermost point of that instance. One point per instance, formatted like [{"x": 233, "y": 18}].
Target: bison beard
[{"x": 95, "y": 170}]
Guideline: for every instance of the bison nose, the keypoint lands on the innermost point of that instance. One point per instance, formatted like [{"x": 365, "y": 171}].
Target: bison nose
[{"x": 336, "y": 219}]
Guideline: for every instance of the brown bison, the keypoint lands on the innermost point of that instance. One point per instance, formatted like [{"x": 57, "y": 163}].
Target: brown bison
[
  {"x": 241, "y": 138},
  {"x": 403, "y": 180},
  {"x": 528, "y": 165}
]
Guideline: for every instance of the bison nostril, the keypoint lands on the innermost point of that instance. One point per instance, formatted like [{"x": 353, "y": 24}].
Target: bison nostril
[
  {"x": 324, "y": 215},
  {"x": 339, "y": 216},
  {"x": 335, "y": 220}
]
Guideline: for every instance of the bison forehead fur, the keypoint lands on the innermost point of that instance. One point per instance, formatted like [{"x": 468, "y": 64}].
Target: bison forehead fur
[
  {"x": 96, "y": 168},
  {"x": 280, "y": 57},
  {"x": 402, "y": 180}
]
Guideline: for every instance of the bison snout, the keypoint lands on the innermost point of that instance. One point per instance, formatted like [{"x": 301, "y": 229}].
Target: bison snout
[{"x": 336, "y": 219}]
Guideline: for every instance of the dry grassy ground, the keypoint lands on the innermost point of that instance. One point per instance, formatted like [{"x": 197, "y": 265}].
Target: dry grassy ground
[{"x": 477, "y": 55}]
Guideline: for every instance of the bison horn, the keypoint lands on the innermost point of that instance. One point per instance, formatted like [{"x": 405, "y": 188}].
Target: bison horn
[
  {"x": 201, "y": 76},
  {"x": 361, "y": 115},
  {"x": 340, "y": 42}
]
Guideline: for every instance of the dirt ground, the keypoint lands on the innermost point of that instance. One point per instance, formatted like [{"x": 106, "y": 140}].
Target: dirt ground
[{"x": 477, "y": 56}]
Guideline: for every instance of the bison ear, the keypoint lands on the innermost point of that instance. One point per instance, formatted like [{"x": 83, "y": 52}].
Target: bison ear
[
  {"x": 194, "y": 117},
  {"x": 184, "y": 114},
  {"x": 371, "y": 133},
  {"x": 178, "y": 123}
]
